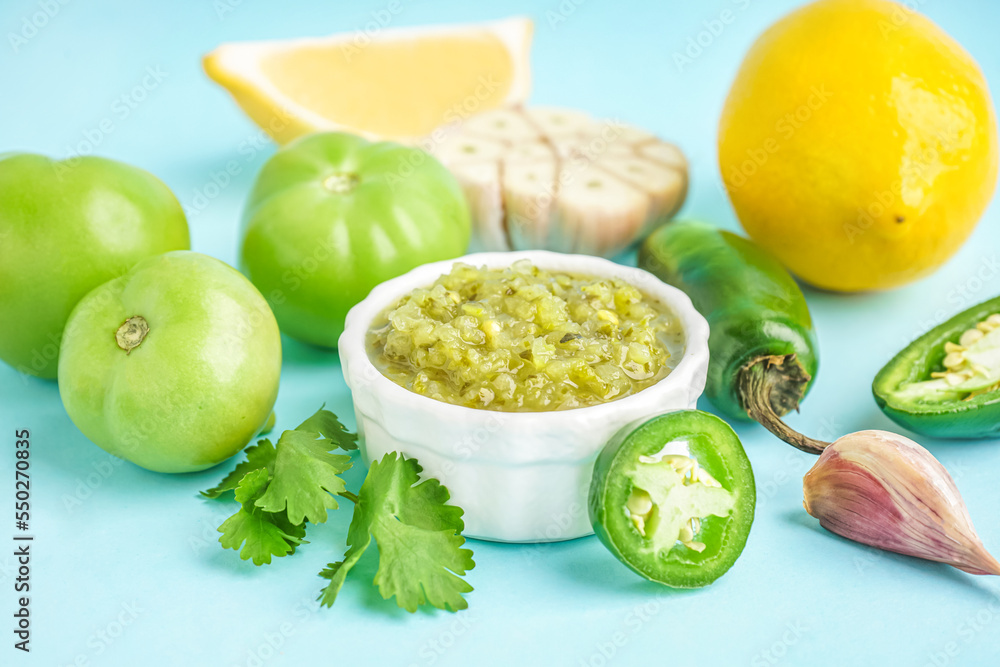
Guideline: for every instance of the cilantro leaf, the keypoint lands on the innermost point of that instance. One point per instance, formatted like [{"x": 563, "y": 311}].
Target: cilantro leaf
[
  {"x": 327, "y": 425},
  {"x": 282, "y": 487},
  {"x": 305, "y": 474},
  {"x": 251, "y": 486},
  {"x": 418, "y": 536},
  {"x": 261, "y": 534},
  {"x": 337, "y": 572},
  {"x": 260, "y": 455}
]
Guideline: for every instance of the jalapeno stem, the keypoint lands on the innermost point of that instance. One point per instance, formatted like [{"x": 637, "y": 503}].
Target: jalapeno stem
[{"x": 770, "y": 386}]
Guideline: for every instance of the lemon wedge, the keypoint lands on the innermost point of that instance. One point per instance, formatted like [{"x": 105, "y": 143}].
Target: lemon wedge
[{"x": 400, "y": 83}]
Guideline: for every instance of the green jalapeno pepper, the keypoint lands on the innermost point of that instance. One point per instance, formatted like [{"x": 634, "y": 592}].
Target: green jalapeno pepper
[
  {"x": 946, "y": 383},
  {"x": 763, "y": 352},
  {"x": 674, "y": 499}
]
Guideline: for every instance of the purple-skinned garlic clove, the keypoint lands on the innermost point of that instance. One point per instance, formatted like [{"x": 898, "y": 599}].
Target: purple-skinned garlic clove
[{"x": 885, "y": 490}]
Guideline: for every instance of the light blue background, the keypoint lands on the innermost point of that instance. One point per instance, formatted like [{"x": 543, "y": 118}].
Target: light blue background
[{"x": 116, "y": 543}]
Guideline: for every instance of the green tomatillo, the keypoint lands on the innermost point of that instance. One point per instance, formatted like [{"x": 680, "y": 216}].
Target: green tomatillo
[
  {"x": 65, "y": 228},
  {"x": 332, "y": 215},
  {"x": 174, "y": 365}
]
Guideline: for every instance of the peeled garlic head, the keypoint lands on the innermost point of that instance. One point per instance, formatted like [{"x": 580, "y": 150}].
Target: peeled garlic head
[{"x": 558, "y": 179}]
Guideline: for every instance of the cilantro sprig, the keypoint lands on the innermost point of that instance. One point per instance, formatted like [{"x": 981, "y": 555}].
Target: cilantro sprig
[
  {"x": 419, "y": 538},
  {"x": 281, "y": 488},
  {"x": 262, "y": 534}
]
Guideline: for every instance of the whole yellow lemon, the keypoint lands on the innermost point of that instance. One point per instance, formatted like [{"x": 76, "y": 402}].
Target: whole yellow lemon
[{"x": 858, "y": 144}]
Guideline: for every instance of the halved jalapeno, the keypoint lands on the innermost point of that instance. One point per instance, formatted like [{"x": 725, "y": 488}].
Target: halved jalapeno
[{"x": 946, "y": 383}]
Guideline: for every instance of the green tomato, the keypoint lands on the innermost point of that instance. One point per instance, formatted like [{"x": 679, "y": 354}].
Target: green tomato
[
  {"x": 65, "y": 228},
  {"x": 332, "y": 215},
  {"x": 173, "y": 366}
]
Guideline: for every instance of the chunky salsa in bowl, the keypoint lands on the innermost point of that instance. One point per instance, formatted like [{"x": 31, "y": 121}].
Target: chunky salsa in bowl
[
  {"x": 505, "y": 373},
  {"x": 521, "y": 338}
]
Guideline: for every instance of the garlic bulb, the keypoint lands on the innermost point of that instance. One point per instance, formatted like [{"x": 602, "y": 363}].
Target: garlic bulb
[
  {"x": 884, "y": 490},
  {"x": 557, "y": 179}
]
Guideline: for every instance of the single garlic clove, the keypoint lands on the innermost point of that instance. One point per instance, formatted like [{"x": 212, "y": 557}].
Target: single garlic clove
[
  {"x": 885, "y": 490},
  {"x": 660, "y": 182},
  {"x": 595, "y": 211},
  {"x": 528, "y": 195}
]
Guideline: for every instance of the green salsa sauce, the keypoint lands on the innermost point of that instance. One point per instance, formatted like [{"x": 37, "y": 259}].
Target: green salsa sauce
[{"x": 523, "y": 339}]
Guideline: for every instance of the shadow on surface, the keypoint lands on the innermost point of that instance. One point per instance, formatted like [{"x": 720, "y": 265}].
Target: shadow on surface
[
  {"x": 865, "y": 557},
  {"x": 296, "y": 353},
  {"x": 584, "y": 561}
]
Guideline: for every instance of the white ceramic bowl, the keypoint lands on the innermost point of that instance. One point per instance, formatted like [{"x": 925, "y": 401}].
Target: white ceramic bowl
[{"x": 519, "y": 476}]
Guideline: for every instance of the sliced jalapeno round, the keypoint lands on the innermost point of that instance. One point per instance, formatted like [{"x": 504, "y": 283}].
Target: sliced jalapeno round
[{"x": 674, "y": 499}]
